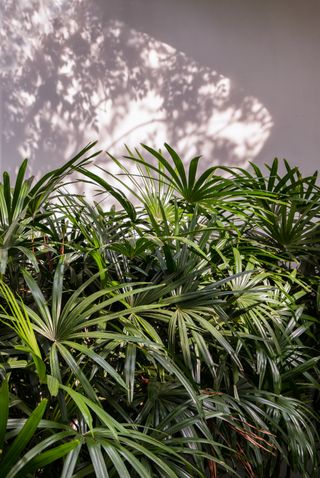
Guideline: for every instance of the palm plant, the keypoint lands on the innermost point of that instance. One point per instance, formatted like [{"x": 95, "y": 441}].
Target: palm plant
[
  {"x": 23, "y": 208},
  {"x": 173, "y": 338}
]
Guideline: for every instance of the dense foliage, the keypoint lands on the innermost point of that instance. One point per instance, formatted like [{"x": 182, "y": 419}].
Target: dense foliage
[{"x": 174, "y": 338}]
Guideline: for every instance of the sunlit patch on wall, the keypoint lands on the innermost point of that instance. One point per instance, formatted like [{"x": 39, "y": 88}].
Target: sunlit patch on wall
[{"x": 79, "y": 74}]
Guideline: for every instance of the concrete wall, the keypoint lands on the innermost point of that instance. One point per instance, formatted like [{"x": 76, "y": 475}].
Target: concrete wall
[{"x": 233, "y": 80}]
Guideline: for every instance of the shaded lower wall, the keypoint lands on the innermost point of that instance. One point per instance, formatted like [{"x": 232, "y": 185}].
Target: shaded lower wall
[{"x": 235, "y": 80}]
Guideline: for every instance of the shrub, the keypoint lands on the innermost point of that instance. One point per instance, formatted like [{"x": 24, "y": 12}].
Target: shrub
[{"x": 173, "y": 337}]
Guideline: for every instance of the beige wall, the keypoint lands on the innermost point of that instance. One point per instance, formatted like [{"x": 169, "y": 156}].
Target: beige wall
[{"x": 234, "y": 80}]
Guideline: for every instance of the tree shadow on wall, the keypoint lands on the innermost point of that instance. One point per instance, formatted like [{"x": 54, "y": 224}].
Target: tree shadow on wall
[{"x": 78, "y": 72}]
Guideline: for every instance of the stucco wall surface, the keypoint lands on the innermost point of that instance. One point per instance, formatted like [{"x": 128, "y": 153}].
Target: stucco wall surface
[{"x": 234, "y": 80}]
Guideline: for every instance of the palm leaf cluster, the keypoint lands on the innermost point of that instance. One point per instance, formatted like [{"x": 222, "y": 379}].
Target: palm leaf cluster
[{"x": 174, "y": 335}]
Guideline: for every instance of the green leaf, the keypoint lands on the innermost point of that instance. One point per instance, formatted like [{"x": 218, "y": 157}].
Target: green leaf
[
  {"x": 26, "y": 463},
  {"x": 70, "y": 462},
  {"x": 116, "y": 459},
  {"x": 53, "y": 385},
  {"x": 49, "y": 456},
  {"x": 3, "y": 259},
  {"x": 4, "y": 408},
  {"x": 80, "y": 401},
  {"x": 98, "y": 460},
  {"x": 98, "y": 360},
  {"x": 129, "y": 369},
  {"x": 17, "y": 197},
  {"x": 23, "y": 438}
]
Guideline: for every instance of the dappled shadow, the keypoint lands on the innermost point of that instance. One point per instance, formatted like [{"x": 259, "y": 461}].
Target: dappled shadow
[{"x": 74, "y": 71}]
